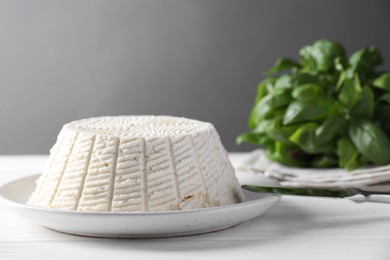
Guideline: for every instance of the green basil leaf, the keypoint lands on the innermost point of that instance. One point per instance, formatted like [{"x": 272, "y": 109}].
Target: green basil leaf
[
  {"x": 327, "y": 80},
  {"x": 385, "y": 98},
  {"x": 307, "y": 90},
  {"x": 339, "y": 63},
  {"x": 267, "y": 105},
  {"x": 341, "y": 79},
  {"x": 350, "y": 92},
  {"x": 254, "y": 138},
  {"x": 364, "y": 61},
  {"x": 306, "y": 139},
  {"x": 309, "y": 109},
  {"x": 285, "y": 81},
  {"x": 300, "y": 78},
  {"x": 263, "y": 126},
  {"x": 371, "y": 141},
  {"x": 383, "y": 81},
  {"x": 382, "y": 112},
  {"x": 348, "y": 154},
  {"x": 261, "y": 91},
  {"x": 276, "y": 113},
  {"x": 278, "y": 132},
  {"x": 264, "y": 88},
  {"x": 283, "y": 64},
  {"x": 280, "y": 152},
  {"x": 329, "y": 130},
  {"x": 289, "y": 81},
  {"x": 321, "y": 56},
  {"x": 364, "y": 107},
  {"x": 324, "y": 161},
  {"x": 248, "y": 137}
]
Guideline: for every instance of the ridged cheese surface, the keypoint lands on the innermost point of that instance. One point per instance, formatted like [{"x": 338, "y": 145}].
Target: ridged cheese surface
[{"x": 137, "y": 164}]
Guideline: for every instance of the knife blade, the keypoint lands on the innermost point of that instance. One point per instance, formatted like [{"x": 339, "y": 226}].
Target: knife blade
[{"x": 354, "y": 194}]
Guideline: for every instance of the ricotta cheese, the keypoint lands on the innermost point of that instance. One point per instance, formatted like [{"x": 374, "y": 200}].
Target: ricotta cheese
[{"x": 137, "y": 164}]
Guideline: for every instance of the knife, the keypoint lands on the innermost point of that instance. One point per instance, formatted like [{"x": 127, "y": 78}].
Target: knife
[{"x": 354, "y": 194}]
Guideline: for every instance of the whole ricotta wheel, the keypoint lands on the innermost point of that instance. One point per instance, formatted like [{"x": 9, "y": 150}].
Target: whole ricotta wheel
[{"x": 137, "y": 164}]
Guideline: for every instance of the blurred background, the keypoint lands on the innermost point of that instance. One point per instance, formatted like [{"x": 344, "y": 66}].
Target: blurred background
[{"x": 65, "y": 60}]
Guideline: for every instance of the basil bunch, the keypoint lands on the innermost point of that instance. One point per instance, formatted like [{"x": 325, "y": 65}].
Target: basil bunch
[{"x": 325, "y": 110}]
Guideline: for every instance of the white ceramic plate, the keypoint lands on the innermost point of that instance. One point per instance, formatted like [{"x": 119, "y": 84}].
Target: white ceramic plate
[{"x": 134, "y": 225}]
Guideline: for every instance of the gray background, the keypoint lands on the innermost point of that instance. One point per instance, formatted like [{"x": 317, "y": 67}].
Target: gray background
[{"x": 65, "y": 60}]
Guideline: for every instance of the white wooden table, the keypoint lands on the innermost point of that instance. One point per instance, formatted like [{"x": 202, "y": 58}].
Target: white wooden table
[{"x": 296, "y": 228}]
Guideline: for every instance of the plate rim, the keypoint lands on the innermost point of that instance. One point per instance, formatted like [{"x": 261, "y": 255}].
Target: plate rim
[
  {"x": 273, "y": 197},
  {"x": 53, "y": 219}
]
